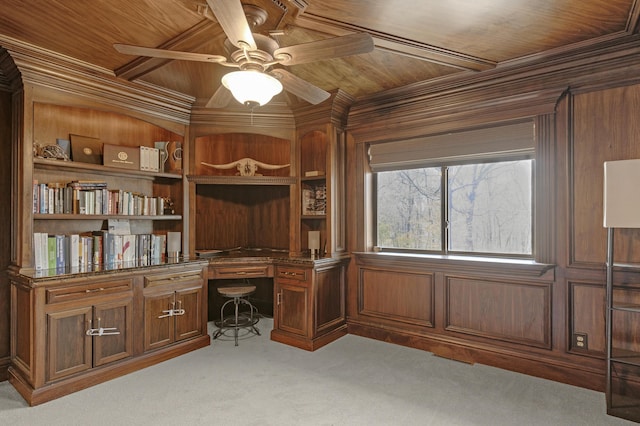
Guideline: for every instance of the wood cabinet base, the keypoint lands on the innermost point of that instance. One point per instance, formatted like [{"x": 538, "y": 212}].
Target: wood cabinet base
[
  {"x": 306, "y": 343},
  {"x": 101, "y": 374}
]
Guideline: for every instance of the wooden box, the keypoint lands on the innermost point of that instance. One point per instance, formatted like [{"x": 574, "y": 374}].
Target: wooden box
[{"x": 124, "y": 157}]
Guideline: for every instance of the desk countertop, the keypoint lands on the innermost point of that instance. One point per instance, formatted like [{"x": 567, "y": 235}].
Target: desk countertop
[{"x": 258, "y": 255}]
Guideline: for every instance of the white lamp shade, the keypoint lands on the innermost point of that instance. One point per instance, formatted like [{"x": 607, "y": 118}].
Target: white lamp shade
[
  {"x": 622, "y": 194},
  {"x": 251, "y": 87}
]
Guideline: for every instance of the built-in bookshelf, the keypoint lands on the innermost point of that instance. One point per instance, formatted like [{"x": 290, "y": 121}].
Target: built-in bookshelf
[{"x": 72, "y": 202}]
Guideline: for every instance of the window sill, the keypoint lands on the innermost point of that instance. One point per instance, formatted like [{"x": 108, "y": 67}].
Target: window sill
[{"x": 517, "y": 268}]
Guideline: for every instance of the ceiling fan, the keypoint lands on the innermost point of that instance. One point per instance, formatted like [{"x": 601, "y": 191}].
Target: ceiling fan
[{"x": 259, "y": 57}]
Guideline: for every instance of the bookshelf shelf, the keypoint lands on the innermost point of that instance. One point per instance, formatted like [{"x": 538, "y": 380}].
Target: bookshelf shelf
[
  {"x": 71, "y": 166},
  {"x": 44, "y": 216}
]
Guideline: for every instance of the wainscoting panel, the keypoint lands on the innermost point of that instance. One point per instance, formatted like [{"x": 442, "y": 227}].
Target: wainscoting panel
[
  {"x": 587, "y": 316},
  {"x": 513, "y": 312},
  {"x": 400, "y": 296}
]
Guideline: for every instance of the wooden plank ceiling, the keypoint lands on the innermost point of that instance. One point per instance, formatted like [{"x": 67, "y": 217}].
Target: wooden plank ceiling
[{"x": 415, "y": 41}]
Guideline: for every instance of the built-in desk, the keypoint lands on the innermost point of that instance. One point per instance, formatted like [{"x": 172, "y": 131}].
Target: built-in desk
[{"x": 307, "y": 295}]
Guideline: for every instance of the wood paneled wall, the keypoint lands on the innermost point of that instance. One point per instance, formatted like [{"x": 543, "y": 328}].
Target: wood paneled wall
[
  {"x": 5, "y": 231},
  {"x": 231, "y": 216},
  {"x": 496, "y": 315}
]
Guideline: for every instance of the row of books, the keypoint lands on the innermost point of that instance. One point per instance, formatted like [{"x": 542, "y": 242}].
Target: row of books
[
  {"x": 86, "y": 197},
  {"x": 72, "y": 253}
]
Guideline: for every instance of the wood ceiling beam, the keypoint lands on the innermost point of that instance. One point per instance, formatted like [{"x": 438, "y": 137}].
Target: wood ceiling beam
[
  {"x": 634, "y": 17},
  {"x": 398, "y": 45},
  {"x": 188, "y": 41}
]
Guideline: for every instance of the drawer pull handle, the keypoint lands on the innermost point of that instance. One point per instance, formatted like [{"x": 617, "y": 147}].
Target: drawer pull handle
[{"x": 94, "y": 290}]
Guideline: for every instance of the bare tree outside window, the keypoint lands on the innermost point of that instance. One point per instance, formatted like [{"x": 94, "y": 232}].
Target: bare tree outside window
[
  {"x": 409, "y": 209},
  {"x": 489, "y": 208}
]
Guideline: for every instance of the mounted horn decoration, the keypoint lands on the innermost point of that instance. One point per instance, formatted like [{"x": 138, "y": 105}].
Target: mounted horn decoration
[
  {"x": 254, "y": 54},
  {"x": 246, "y": 166}
]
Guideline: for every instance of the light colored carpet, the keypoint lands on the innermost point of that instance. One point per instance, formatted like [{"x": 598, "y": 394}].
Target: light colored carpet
[{"x": 353, "y": 381}]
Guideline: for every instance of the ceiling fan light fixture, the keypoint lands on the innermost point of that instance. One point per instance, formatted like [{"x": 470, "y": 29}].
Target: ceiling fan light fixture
[{"x": 251, "y": 87}]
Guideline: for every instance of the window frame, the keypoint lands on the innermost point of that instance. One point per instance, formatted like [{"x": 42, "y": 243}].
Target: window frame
[{"x": 444, "y": 205}]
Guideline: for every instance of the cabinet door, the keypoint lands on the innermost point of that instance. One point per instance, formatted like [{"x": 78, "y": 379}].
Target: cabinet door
[
  {"x": 159, "y": 326},
  {"x": 189, "y": 324},
  {"x": 292, "y": 308},
  {"x": 68, "y": 346},
  {"x": 113, "y": 317}
]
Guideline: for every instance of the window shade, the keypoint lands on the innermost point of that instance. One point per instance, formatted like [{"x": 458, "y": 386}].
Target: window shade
[{"x": 513, "y": 141}]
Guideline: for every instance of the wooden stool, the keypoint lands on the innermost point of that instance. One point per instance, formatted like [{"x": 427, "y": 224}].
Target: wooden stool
[{"x": 237, "y": 295}]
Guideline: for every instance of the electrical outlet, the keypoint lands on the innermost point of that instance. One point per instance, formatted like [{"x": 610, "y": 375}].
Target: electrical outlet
[{"x": 580, "y": 341}]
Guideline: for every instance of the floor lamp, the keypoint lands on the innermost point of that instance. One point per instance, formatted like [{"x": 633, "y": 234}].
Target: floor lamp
[{"x": 621, "y": 209}]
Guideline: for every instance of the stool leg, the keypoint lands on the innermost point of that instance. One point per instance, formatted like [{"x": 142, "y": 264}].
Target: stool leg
[
  {"x": 252, "y": 308},
  {"x": 221, "y": 327},
  {"x": 236, "y": 301}
]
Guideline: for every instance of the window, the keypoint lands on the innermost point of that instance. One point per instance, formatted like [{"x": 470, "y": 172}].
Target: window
[
  {"x": 435, "y": 195},
  {"x": 488, "y": 208}
]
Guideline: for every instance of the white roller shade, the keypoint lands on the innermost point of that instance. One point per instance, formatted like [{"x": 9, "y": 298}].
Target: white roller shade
[
  {"x": 622, "y": 194},
  {"x": 513, "y": 141}
]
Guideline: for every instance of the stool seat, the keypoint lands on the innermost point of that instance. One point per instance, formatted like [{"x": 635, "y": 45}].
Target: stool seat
[
  {"x": 237, "y": 295},
  {"x": 237, "y": 291}
]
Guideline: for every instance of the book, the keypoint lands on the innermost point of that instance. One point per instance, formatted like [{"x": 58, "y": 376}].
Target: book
[
  {"x": 154, "y": 160},
  {"x": 61, "y": 253},
  {"x": 97, "y": 250},
  {"x": 145, "y": 158},
  {"x": 40, "y": 253},
  {"x": 117, "y": 251},
  {"x": 51, "y": 252},
  {"x": 312, "y": 173},
  {"x": 129, "y": 250},
  {"x": 108, "y": 249},
  {"x": 74, "y": 252}
]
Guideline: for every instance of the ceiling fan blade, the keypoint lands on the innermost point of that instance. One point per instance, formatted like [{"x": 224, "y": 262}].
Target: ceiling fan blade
[
  {"x": 233, "y": 21},
  {"x": 336, "y": 47},
  {"x": 167, "y": 54},
  {"x": 301, "y": 88},
  {"x": 220, "y": 98}
]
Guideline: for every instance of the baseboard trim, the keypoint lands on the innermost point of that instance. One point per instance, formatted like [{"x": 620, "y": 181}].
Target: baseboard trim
[
  {"x": 306, "y": 343},
  {"x": 575, "y": 374},
  {"x": 100, "y": 374}
]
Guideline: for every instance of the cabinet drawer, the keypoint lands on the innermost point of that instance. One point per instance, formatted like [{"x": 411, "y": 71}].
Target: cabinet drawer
[
  {"x": 64, "y": 294},
  {"x": 177, "y": 278},
  {"x": 228, "y": 272},
  {"x": 293, "y": 273}
]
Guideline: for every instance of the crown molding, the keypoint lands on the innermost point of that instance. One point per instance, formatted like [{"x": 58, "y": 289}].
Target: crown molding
[{"x": 45, "y": 68}]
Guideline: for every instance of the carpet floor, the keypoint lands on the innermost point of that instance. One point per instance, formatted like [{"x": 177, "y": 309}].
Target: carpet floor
[{"x": 352, "y": 381}]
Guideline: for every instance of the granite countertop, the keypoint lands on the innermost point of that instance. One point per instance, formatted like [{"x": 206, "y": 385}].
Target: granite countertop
[
  {"x": 256, "y": 255},
  {"x": 92, "y": 270}
]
